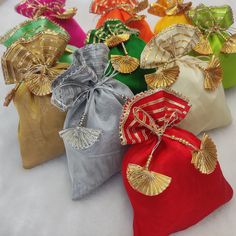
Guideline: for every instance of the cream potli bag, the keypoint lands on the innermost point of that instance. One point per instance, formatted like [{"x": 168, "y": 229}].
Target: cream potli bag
[{"x": 198, "y": 80}]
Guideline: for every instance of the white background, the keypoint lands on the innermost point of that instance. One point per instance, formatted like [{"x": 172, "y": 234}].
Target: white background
[{"x": 37, "y": 202}]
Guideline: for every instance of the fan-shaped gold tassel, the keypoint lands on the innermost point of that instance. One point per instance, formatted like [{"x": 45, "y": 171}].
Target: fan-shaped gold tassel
[
  {"x": 147, "y": 182},
  {"x": 124, "y": 64},
  {"x": 164, "y": 78},
  {"x": 213, "y": 74},
  {"x": 39, "y": 85},
  {"x": 115, "y": 40},
  {"x": 68, "y": 14},
  {"x": 230, "y": 45},
  {"x": 205, "y": 159},
  {"x": 203, "y": 47}
]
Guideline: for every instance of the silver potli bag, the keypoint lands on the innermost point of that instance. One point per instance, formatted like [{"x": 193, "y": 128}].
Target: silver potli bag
[{"x": 94, "y": 102}]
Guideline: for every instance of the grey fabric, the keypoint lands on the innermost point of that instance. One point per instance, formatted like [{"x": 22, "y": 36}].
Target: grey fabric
[{"x": 84, "y": 88}]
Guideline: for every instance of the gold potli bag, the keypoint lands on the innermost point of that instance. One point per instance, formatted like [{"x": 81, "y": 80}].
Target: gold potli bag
[{"x": 32, "y": 64}]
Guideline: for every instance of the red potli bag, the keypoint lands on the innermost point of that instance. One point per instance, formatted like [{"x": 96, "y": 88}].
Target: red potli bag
[{"x": 173, "y": 179}]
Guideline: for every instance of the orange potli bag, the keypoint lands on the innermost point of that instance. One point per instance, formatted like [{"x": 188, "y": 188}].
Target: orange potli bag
[{"x": 126, "y": 11}]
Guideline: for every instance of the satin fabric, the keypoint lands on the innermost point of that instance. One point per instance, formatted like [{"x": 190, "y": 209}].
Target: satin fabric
[
  {"x": 142, "y": 25},
  {"x": 221, "y": 16},
  {"x": 77, "y": 35},
  {"x": 209, "y": 108},
  {"x": 168, "y": 21},
  {"x": 227, "y": 61},
  {"x": 208, "y": 17},
  {"x": 135, "y": 80},
  {"x": 89, "y": 168},
  {"x": 229, "y": 69},
  {"x": 191, "y": 195},
  {"x": 28, "y": 29}
]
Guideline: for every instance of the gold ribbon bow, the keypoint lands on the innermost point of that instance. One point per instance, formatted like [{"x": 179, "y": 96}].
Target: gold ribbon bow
[
  {"x": 34, "y": 62},
  {"x": 215, "y": 24},
  {"x": 169, "y": 48},
  {"x": 55, "y": 8},
  {"x": 169, "y": 7},
  {"x": 151, "y": 183}
]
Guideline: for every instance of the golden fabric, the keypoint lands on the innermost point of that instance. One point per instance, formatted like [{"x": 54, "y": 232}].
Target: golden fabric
[
  {"x": 32, "y": 64},
  {"x": 39, "y": 125}
]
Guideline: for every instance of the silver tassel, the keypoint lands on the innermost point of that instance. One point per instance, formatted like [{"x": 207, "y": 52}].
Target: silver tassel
[{"x": 80, "y": 137}]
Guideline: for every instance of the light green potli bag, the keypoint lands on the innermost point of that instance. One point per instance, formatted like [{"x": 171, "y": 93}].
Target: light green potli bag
[{"x": 218, "y": 39}]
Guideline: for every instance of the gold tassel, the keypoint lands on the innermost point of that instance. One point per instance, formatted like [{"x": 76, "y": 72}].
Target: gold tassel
[
  {"x": 164, "y": 78},
  {"x": 147, "y": 182},
  {"x": 213, "y": 74},
  {"x": 115, "y": 40},
  {"x": 124, "y": 64},
  {"x": 205, "y": 159},
  {"x": 230, "y": 45},
  {"x": 203, "y": 47}
]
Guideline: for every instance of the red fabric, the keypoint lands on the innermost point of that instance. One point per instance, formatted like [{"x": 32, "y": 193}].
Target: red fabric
[
  {"x": 191, "y": 195},
  {"x": 150, "y": 102},
  {"x": 142, "y": 26}
]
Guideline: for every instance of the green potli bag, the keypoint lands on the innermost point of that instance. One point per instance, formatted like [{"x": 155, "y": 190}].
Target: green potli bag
[
  {"x": 30, "y": 28},
  {"x": 125, "y": 51},
  {"x": 215, "y": 24}
]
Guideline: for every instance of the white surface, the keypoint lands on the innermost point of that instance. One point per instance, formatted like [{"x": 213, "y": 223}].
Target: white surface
[{"x": 37, "y": 202}]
